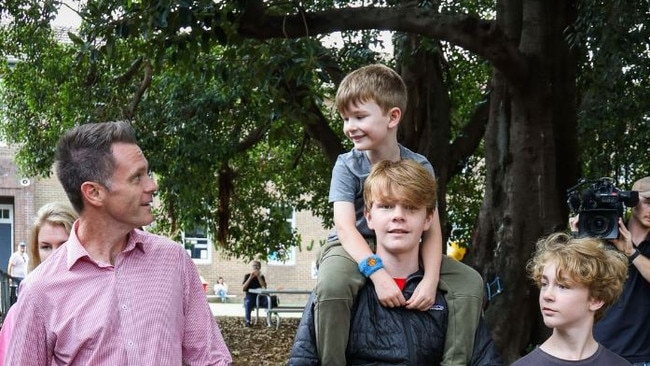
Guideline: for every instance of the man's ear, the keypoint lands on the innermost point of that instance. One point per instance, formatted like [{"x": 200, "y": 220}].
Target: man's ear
[
  {"x": 93, "y": 193},
  {"x": 395, "y": 115}
]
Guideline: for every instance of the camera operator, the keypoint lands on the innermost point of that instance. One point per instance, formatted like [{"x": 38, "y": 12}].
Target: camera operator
[{"x": 625, "y": 328}]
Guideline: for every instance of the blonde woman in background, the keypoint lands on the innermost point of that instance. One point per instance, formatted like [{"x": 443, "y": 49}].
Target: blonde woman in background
[{"x": 51, "y": 229}]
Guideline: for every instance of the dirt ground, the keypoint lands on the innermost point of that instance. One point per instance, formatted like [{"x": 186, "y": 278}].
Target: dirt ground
[{"x": 259, "y": 344}]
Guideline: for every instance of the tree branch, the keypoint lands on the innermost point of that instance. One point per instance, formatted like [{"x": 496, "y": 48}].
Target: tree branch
[
  {"x": 479, "y": 36},
  {"x": 470, "y": 137},
  {"x": 130, "y": 73},
  {"x": 144, "y": 85}
]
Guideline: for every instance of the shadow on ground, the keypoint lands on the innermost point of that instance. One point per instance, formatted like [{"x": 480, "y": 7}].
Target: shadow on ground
[{"x": 259, "y": 344}]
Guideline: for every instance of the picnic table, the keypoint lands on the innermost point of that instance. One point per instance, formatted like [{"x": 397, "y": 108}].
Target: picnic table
[{"x": 271, "y": 311}]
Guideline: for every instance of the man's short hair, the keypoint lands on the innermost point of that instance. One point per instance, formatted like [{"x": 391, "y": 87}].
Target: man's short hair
[
  {"x": 378, "y": 83},
  {"x": 84, "y": 154},
  {"x": 582, "y": 261},
  {"x": 405, "y": 181}
]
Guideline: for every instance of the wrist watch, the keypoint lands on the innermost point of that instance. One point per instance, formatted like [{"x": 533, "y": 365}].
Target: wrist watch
[{"x": 633, "y": 256}]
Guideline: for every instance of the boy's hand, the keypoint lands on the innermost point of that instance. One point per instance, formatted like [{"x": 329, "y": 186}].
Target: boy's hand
[
  {"x": 387, "y": 290},
  {"x": 424, "y": 295}
]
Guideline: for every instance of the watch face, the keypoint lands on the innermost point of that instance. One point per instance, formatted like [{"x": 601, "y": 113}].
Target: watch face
[{"x": 371, "y": 262}]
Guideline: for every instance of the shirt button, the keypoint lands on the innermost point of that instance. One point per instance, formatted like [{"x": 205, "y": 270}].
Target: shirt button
[{"x": 124, "y": 307}]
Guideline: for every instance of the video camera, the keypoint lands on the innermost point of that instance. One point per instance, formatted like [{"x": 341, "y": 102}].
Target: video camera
[{"x": 599, "y": 205}]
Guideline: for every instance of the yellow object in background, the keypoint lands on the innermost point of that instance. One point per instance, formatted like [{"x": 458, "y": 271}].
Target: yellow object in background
[{"x": 454, "y": 250}]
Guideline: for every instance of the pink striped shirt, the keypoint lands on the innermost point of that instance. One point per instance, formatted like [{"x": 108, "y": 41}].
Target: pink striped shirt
[
  {"x": 5, "y": 332},
  {"x": 147, "y": 309}
]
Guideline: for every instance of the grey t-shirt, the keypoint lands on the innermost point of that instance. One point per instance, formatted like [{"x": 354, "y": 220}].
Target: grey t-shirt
[
  {"x": 349, "y": 174},
  {"x": 602, "y": 357}
]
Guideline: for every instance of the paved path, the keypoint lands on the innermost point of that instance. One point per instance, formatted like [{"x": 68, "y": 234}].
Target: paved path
[{"x": 237, "y": 309}]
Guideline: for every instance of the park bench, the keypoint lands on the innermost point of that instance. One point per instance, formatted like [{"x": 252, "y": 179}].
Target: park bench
[{"x": 275, "y": 311}]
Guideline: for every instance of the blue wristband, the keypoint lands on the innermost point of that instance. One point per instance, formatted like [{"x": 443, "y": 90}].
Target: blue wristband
[{"x": 370, "y": 265}]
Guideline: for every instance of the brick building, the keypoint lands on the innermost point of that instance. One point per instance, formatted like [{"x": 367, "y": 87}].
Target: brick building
[
  {"x": 20, "y": 198},
  {"x": 296, "y": 273}
]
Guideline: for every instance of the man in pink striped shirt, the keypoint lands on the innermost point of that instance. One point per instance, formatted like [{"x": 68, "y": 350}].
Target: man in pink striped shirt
[{"x": 113, "y": 294}]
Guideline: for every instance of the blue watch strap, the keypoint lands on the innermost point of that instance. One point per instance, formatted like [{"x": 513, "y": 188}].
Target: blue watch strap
[{"x": 370, "y": 265}]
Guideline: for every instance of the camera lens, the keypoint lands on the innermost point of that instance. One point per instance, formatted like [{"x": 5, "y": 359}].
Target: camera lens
[{"x": 599, "y": 225}]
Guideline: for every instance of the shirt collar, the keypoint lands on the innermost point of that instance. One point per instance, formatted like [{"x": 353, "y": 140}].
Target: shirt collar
[{"x": 76, "y": 251}]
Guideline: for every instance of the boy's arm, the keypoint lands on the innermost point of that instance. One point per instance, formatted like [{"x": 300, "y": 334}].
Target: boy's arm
[
  {"x": 355, "y": 245},
  {"x": 431, "y": 252}
]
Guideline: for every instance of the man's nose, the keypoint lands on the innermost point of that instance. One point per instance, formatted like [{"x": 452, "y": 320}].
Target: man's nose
[{"x": 153, "y": 186}]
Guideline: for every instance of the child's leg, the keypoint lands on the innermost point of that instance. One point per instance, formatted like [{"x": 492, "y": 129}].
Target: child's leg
[
  {"x": 339, "y": 281},
  {"x": 464, "y": 287}
]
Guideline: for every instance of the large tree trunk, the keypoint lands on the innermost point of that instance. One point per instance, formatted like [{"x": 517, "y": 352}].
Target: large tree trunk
[
  {"x": 526, "y": 178},
  {"x": 425, "y": 125}
]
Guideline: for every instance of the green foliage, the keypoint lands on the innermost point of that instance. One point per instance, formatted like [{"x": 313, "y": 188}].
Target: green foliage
[
  {"x": 221, "y": 129},
  {"x": 465, "y": 202},
  {"x": 244, "y": 138},
  {"x": 467, "y": 78},
  {"x": 615, "y": 71},
  {"x": 222, "y": 119},
  {"x": 38, "y": 100}
]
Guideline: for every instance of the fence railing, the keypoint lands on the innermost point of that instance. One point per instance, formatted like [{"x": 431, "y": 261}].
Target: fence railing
[{"x": 7, "y": 294}]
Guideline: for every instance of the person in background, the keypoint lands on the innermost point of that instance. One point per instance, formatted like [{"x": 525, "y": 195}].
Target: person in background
[
  {"x": 50, "y": 230},
  {"x": 579, "y": 278},
  {"x": 621, "y": 330},
  {"x": 18, "y": 263},
  {"x": 113, "y": 294},
  {"x": 624, "y": 329},
  {"x": 400, "y": 200},
  {"x": 221, "y": 289},
  {"x": 254, "y": 279}
]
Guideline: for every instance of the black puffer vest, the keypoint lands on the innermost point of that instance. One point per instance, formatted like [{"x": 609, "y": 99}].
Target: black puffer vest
[
  {"x": 382, "y": 336},
  {"x": 397, "y": 336}
]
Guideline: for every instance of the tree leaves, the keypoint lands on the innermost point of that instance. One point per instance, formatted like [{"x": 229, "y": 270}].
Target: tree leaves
[{"x": 613, "y": 117}]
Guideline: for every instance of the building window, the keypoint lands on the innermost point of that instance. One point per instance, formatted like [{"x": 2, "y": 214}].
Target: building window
[
  {"x": 284, "y": 257},
  {"x": 197, "y": 244}
]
